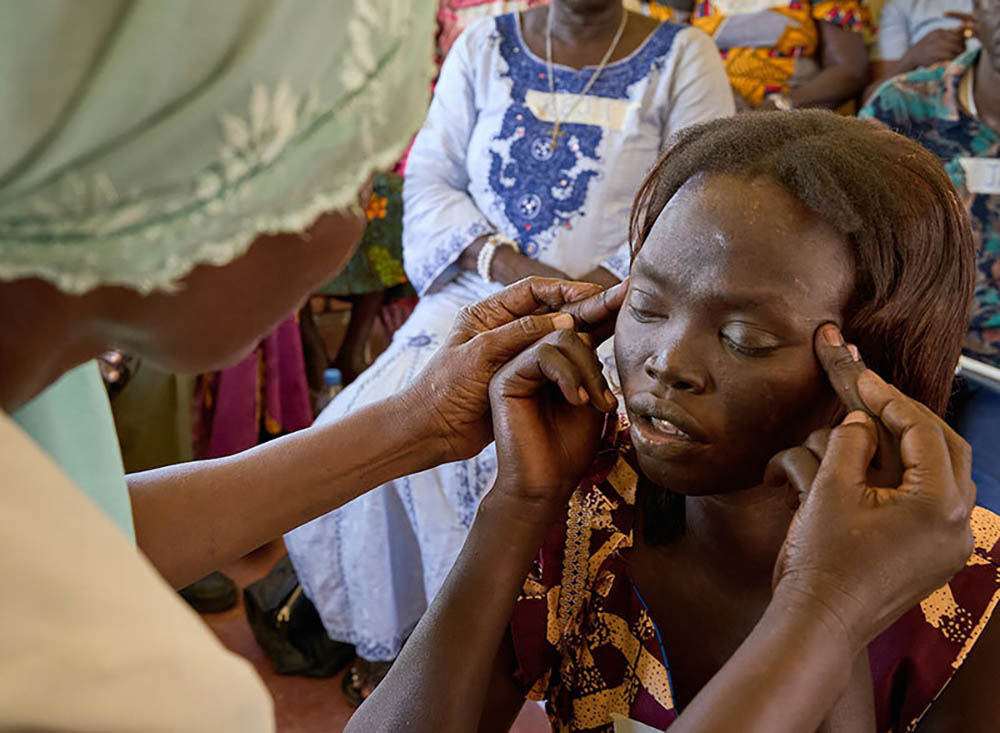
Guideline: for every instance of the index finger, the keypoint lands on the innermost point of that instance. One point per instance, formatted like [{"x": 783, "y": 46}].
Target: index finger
[
  {"x": 597, "y": 313},
  {"x": 533, "y": 295},
  {"x": 842, "y": 366},
  {"x": 925, "y": 439}
]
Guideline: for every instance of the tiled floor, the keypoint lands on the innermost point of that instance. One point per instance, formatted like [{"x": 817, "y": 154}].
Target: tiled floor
[{"x": 303, "y": 705}]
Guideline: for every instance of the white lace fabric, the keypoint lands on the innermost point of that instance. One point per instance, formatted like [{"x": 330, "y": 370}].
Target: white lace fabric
[{"x": 144, "y": 139}]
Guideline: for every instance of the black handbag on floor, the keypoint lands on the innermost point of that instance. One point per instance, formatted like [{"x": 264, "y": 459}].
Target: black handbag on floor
[{"x": 287, "y": 626}]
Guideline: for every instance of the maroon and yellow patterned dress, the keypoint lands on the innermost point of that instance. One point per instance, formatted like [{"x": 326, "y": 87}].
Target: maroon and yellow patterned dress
[{"x": 586, "y": 644}]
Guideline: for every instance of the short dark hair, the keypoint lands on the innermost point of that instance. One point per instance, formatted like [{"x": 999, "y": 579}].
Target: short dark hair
[{"x": 913, "y": 244}]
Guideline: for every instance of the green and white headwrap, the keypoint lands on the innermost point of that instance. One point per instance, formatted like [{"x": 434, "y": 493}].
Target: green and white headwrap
[{"x": 143, "y": 138}]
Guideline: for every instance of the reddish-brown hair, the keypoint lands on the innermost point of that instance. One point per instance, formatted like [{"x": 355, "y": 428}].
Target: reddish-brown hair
[{"x": 912, "y": 240}]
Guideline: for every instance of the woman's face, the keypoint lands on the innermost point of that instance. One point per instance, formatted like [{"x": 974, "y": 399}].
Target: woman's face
[{"x": 715, "y": 341}]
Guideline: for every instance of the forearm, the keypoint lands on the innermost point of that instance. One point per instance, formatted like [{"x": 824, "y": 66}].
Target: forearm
[
  {"x": 469, "y": 260},
  {"x": 830, "y": 88},
  {"x": 439, "y": 682},
  {"x": 854, "y": 711},
  {"x": 785, "y": 677},
  {"x": 193, "y": 518},
  {"x": 508, "y": 266}
]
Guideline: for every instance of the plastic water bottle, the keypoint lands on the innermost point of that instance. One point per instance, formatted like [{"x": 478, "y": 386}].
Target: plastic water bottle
[{"x": 334, "y": 381}]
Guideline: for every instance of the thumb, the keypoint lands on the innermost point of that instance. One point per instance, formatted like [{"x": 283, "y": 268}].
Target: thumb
[
  {"x": 500, "y": 345},
  {"x": 597, "y": 313},
  {"x": 849, "y": 452},
  {"x": 796, "y": 467}
]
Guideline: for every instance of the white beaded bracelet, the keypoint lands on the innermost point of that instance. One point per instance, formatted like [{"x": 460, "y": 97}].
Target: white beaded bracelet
[{"x": 484, "y": 262}]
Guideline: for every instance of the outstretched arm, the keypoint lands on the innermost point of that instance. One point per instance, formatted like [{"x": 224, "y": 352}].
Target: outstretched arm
[{"x": 193, "y": 518}]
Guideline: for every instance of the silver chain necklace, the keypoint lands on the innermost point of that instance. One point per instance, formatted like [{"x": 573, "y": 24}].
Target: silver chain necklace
[{"x": 552, "y": 82}]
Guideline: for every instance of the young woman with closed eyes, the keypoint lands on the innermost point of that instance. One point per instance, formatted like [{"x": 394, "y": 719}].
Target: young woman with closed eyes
[{"x": 664, "y": 556}]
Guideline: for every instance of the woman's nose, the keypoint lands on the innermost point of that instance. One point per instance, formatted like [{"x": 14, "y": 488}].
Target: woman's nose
[{"x": 675, "y": 368}]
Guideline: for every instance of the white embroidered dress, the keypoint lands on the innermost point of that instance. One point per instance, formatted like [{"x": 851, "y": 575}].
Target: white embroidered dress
[{"x": 484, "y": 162}]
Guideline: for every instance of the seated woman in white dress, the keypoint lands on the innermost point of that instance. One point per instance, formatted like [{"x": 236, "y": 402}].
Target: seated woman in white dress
[{"x": 541, "y": 172}]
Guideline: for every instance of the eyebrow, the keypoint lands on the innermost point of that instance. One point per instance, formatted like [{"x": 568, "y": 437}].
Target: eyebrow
[
  {"x": 769, "y": 300},
  {"x": 639, "y": 267},
  {"x": 758, "y": 301}
]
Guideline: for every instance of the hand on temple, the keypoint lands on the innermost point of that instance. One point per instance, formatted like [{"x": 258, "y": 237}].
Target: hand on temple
[
  {"x": 486, "y": 335},
  {"x": 861, "y": 548}
]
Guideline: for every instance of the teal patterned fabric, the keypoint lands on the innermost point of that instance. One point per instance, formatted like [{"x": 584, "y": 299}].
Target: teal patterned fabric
[{"x": 923, "y": 105}]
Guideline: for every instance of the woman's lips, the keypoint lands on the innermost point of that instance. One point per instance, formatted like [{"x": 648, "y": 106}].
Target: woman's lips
[
  {"x": 662, "y": 429},
  {"x": 662, "y": 440},
  {"x": 668, "y": 428},
  {"x": 665, "y": 418}
]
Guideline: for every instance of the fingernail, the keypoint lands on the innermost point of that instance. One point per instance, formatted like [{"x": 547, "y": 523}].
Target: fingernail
[
  {"x": 583, "y": 394},
  {"x": 113, "y": 375},
  {"x": 114, "y": 357},
  {"x": 855, "y": 354},
  {"x": 562, "y": 320},
  {"x": 857, "y": 416},
  {"x": 831, "y": 334}
]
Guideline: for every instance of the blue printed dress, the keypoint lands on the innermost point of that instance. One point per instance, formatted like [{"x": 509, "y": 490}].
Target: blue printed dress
[{"x": 484, "y": 162}]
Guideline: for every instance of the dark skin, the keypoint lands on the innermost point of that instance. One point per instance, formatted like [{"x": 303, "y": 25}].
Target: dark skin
[
  {"x": 195, "y": 517},
  {"x": 713, "y": 332},
  {"x": 843, "y": 59},
  {"x": 707, "y": 589},
  {"x": 970, "y": 701},
  {"x": 936, "y": 47},
  {"x": 987, "y": 82},
  {"x": 723, "y": 623},
  {"x": 581, "y": 33}
]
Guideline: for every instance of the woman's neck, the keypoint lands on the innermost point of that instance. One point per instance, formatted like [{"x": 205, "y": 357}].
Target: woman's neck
[
  {"x": 580, "y": 26},
  {"x": 44, "y": 334},
  {"x": 986, "y": 92},
  {"x": 738, "y": 534}
]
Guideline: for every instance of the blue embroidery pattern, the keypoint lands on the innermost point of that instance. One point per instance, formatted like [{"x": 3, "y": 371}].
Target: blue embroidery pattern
[
  {"x": 542, "y": 187},
  {"x": 419, "y": 340},
  {"x": 471, "y": 480},
  {"x": 425, "y": 269}
]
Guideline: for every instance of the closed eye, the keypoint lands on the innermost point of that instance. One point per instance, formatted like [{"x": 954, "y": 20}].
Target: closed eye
[
  {"x": 644, "y": 316},
  {"x": 756, "y": 351},
  {"x": 639, "y": 306},
  {"x": 748, "y": 340}
]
